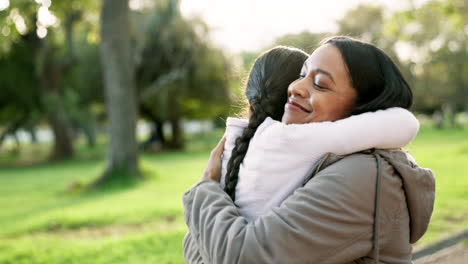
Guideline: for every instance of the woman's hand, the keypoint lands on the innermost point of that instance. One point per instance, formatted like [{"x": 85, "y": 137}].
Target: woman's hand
[{"x": 213, "y": 168}]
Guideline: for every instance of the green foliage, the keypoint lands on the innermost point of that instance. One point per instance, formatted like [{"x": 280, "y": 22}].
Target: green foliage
[
  {"x": 440, "y": 67},
  {"x": 305, "y": 40},
  {"x": 175, "y": 60},
  {"x": 22, "y": 10},
  {"x": 42, "y": 75},
  {"x": 177, "y": 68},
  {"x": 365, "y": 22},
  {"x": 435, "y": 39},
  {"x": 19, "y": 96}
]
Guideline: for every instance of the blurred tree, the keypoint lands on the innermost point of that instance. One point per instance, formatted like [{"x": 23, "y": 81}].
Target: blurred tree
[
  {"x": 365, "y": 22},
  {"x": 369, "y": 23},
  {"x": 426, "y": 44},
  {"x": 172, "y": 56},
  {"x": 84, "y": 89},
  {"x": 119, "y": 82},
  {"x": 306, "y": 41},
  {"x": 52, "y": 53},
  {"x": 179, "y": 74},
  {"x": 436, "y": 33},
  {"x": 18, "y": 74},
  {"x": 71, "y": 64}
]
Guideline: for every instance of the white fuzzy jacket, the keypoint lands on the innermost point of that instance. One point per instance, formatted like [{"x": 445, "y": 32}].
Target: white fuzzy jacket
[{"x": 280, "y": 155}]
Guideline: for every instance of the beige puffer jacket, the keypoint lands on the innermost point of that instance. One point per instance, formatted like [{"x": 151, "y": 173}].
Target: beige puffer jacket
[{"x": 330, "y": 220}]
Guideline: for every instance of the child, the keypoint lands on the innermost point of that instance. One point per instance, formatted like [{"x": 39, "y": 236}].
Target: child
[{"x": 284, "y": 152}]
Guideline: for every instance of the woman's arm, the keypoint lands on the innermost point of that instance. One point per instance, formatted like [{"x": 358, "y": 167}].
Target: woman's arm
[
  {"x": 327, "y": 221},
  {"x": 386, "y": 129},
  {"x": 191, "y": 250}
]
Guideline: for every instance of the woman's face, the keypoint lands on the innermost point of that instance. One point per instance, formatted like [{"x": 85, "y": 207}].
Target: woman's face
[{"x": 323, "y": 92}]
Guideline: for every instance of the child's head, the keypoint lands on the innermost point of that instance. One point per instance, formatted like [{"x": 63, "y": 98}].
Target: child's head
[
  {"x": 266, "y": 91},
  {"x": 269, "y": 78}
]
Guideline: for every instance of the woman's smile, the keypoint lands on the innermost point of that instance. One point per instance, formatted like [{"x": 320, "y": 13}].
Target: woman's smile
[{"x": 295, "y": 106}]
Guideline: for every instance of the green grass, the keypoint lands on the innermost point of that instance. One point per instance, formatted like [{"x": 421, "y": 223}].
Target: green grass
[
  {"x": 446, "y": 153},
  {"x": 41, "y": 222}
]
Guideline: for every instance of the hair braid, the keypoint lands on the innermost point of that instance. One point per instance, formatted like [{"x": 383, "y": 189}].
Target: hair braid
[
  {"x": 266, "y": 91},
  {"x": 241, "y": 146}
]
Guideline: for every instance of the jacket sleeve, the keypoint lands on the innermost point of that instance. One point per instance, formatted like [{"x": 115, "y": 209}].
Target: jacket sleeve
[
  {"x": 329, "y": 220},
  {"x": 384, "y": 129},
  {"x": 191, "y": 251}
]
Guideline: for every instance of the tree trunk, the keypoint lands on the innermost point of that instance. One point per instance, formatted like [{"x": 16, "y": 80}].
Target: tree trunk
[
  {"x": 12, "y": 128},
  {"x": 61, "y": 128},
  {"x": 117, "y": 66},
  {"x": 53, "y": 72},
  {"x": 32, "y": 134},
  {"x": 89, "y": 131},
  {"x": 177, "y": 140},
  {"x": 2, "y": 138},
  {"x": 157, "y": 123},
  {"x": 51, "y": 79},
  {"x": 17, "y": 140},
  {"x": 448, "y": 113}
]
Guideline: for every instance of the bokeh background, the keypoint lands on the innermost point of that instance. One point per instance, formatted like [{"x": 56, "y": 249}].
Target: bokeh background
[{"x": 109, "y": 109}]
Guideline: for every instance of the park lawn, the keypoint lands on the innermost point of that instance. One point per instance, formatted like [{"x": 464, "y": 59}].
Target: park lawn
[
  {"x": 446, "y": 153},
  {"x": 41, "y": 222}
]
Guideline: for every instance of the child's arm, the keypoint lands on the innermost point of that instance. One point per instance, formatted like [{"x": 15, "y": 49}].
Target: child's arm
[
  {"x": 390, "y": 128},
  {"x": 234, "y": 128}
]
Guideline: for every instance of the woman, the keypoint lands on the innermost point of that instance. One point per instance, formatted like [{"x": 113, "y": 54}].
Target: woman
[{"x": 362, "y": 208}]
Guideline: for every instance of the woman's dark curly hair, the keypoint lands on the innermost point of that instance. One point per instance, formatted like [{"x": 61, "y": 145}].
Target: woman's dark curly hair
[{"x": 266, "y": 91}]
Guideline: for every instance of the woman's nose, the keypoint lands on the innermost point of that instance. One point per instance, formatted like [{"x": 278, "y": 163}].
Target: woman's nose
[{"x": 299, "y": 89}]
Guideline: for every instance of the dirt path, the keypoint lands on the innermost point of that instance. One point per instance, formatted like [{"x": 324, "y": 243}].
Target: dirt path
[
  {"x": 114, "y": 231},
  {"x": 457, "y": 254}
]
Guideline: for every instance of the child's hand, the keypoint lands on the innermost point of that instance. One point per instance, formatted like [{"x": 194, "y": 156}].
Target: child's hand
[{"x": 213, "y": 168}]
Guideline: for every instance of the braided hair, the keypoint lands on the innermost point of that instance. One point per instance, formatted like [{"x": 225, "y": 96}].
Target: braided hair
[{"x": 266, "y": 91}]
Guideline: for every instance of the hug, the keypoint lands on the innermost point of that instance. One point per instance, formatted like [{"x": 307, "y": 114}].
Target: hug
[{"x": 314, "y": 173}]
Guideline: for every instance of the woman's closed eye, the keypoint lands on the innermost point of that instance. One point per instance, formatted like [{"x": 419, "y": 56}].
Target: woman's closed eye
[
  {"x": 320, "y": 86},
  {"x": 316, "y": 82}
]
